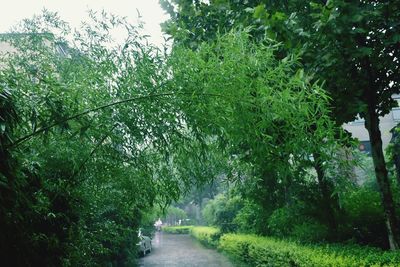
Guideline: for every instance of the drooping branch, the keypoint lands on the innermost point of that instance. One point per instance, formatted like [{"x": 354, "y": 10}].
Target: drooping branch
[
  {"x": 82, "y": 165},
  {"x": 43, "y": 129}
]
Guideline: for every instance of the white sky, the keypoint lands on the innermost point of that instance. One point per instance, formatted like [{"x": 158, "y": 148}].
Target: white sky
[{"x": 74, "y": 11}]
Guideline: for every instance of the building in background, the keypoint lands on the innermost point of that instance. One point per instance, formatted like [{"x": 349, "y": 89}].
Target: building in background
[
  {"x": 387, "y": 123},
  {"x": 61, "y": 48}
]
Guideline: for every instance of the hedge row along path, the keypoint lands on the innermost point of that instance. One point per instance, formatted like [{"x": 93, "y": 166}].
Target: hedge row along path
[{"x": 171, "y": 250}]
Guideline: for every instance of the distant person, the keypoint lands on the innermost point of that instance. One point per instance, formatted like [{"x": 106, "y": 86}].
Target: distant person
[{"x": 158, "y": 224}]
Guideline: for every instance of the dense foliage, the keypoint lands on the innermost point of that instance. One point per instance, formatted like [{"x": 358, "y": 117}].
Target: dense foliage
[
  {"x": 91, "y": 138},
  {"x": 277, "y": 121},
  {"x": 208, "y": 236},
  {"x": 266, "y": 251},
  {"x": 254, "y": 250},
  {"x": 98, "y": 137},
  {"x": 353, "y": 47},
  {"x": 360, "y": 216},
  {"x": 177, "y": 229}
]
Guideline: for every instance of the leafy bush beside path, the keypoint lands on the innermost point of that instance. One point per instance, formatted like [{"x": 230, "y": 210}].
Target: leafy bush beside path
[
  {"x": 177, "y": 229},
  {"x": 208, "y": 236},
  {"x": 265, "y": 251}
]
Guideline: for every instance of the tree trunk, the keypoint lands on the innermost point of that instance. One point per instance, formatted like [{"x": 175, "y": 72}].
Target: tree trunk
[
  {"x": 381, "y": 173},
  {"x": 325, "y": 193}
]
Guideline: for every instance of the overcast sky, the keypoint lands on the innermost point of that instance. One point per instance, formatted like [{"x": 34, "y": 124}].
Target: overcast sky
[{"x": 73, "y": 11}]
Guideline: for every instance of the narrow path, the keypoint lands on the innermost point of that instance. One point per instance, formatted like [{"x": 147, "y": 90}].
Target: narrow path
[{"x": 181, "y": 251}]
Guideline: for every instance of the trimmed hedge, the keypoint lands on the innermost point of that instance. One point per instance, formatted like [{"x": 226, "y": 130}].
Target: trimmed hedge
[
  {"x": 177, "y": 229},
  {"x": 208, "y": 236},
  {"x": 266, "y": 251}
]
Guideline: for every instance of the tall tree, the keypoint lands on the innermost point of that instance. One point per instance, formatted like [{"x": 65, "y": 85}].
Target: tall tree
[
  {"x": 194, "y": 22},
  {"x": 360, "y": 45},
  {"x": 353, "y": 46},
  {"x": 267, "y": 113}
]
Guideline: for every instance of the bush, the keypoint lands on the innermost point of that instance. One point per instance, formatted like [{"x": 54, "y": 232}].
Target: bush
[
  {"x": 251, "y": 219},
  {"x": 281, "y": 222},
  {"x": 208, "y": 236},
  {"x": 292, "y": 222},
  {"x": 221, "y": 212},
  {"x": 177, "y": 229},
  {"x": 365, "y": 218},
  {"x": 265, "y": 251},
  {"x": 310, "y": 231}
]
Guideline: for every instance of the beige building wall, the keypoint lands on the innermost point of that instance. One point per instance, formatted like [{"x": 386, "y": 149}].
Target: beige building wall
[
  {"x": 357, "y": 128},
  {"x": 6, "y": 47}
]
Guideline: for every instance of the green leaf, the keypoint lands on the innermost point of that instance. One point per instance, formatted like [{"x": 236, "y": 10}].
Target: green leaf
[{"x": 259, "y": 11}]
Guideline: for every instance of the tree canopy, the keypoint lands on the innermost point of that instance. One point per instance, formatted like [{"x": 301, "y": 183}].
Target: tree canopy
[
  {"x": 352, "y": 47},
  {"x": 98, "y": 136}
]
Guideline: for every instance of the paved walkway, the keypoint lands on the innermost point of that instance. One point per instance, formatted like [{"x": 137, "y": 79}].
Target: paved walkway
[{"x": 181, "y": 251}]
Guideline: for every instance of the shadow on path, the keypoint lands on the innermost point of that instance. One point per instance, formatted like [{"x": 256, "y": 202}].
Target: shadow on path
[{"x": 181, "y": 251}]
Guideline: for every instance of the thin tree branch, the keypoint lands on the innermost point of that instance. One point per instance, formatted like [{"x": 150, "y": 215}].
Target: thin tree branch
[
  {"x": 93, "y": 151},
  {"x": 87, "y": 158},
  {"x": 27, "y": 137}
]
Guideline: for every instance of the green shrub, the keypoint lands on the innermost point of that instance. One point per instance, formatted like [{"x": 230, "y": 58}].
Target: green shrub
[
  {"x": 251, "y": 219},
  {"x": 266, "y": 251},
  {"x": 364, "y": 217},
  {"x": 292, "y": 222},
  {"x": 208, "y": 236},
  {"x": 281, "y": 222},
  {"x": 177, "y": 229},
  {"x": 221, "y": 212},
  {"x": 310, "y": 231}
]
